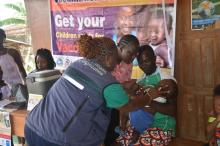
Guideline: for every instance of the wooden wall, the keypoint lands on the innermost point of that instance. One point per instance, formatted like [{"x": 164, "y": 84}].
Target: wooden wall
[
  {"x": 197, "y": 70},
  {"x": 197, "y": 66},
  {"x": 39, "y": 23}
]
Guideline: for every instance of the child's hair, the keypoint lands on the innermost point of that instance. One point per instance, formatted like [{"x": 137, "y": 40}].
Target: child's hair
[
  {"x": 145, "y": 48},
  {"x": 96, "y": 47},
  {"x": 128, "y": 40},
  {"x": 45, "y": 53},
  {"x": 159, "y": 14},
  {"x": 216, "y": 91}
]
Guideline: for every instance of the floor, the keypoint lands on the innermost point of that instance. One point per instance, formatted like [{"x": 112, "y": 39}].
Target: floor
[
  {"x": 185, "y": 142},
  {"x": 175, "y": 142}
]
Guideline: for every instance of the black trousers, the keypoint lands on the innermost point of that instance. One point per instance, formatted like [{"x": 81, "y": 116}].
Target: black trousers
[{"x": 111, "y": 134}]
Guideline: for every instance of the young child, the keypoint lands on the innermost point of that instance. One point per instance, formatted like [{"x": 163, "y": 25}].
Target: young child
[
  {"x": 156, "y": 32},
  {"x": 147, "y": 62},
  {"x": 213, "y": 127},
  {"x": 153, "y": 125}
]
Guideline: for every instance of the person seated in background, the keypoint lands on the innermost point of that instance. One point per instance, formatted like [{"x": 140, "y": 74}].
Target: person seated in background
[
  {"x": 11, "y": 63},
  {"x": 44, "y": 60},
  {"x": 213, "y": 127}
]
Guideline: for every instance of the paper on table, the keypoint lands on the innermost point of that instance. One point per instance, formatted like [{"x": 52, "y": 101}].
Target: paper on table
[
  {"x": 4, "y": 102},
  {"x": 33, "y": 100}
]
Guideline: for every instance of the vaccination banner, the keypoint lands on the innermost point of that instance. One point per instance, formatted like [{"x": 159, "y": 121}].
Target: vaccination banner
[
  {"x": 151, "y": 21},
  {"x": 204, "y": 13}
]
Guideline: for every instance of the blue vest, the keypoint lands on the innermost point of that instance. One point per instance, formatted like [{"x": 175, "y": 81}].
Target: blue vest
[{"x": 74, "y": 114}]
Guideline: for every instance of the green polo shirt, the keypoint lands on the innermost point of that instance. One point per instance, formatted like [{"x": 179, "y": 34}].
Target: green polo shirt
[{"x": 115, "y": 96}]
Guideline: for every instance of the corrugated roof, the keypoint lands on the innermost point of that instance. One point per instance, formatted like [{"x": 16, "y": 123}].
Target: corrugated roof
[
  {"x": 10, "y": 43},
  {"x": 17, "y": 32}
]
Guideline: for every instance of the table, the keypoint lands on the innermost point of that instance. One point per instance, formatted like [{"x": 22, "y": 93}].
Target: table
[{"x": 18, "y": 118}]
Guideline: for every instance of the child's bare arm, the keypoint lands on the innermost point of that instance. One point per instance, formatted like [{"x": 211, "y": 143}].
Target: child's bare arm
[{"x": 137, "y": 102}]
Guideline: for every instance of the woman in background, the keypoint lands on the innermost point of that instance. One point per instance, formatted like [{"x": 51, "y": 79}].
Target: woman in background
[{"x": 44, "y": 60}]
